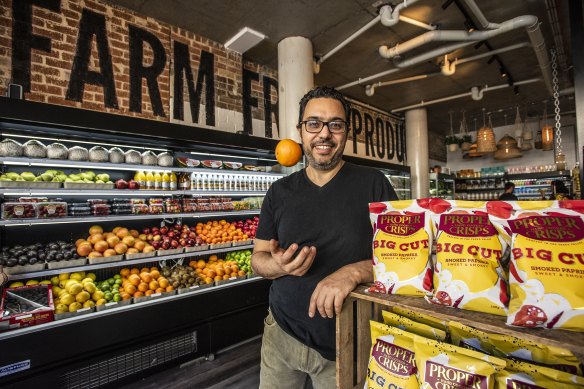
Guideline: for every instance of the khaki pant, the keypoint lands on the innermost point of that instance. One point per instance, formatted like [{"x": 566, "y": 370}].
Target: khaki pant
[{"x": 287, "y": 363}]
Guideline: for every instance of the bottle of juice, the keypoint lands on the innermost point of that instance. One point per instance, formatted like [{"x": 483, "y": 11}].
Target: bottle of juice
[
  {"x": 157, "y": 181},
  {"x": 140, "y": 178},
  {"x": 173, "y": 181},
  {"x": 185, "y": 181},
  {"x": 149, "y": 181},
  {"x": 165, "y": 181}
]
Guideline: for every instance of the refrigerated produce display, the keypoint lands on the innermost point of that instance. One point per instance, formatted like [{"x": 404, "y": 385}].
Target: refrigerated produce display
[
  {"x": 442, "y": 186},
  {"x": 143, "y": 272}
]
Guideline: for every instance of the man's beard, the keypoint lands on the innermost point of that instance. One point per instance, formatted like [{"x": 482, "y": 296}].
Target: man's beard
[{"x": 332, "y": 163}]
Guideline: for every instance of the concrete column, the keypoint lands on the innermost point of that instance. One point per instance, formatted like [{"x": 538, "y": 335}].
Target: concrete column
[
  {"x": 417, "y": 151},
  {"x": 295, "y": 78}
]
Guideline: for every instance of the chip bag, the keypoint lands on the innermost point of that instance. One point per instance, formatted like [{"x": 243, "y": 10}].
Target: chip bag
[
  {"x": 391, "y": 362},
  {"x": 402, "y": 240},
  {"x": 403, "y": 323},
  {"x": 510, "y": 347},
  {"x": 546, "y": 271},
  {"x": 528, "y": 376},
  {"x": 467, "y": 271},
  {"x": 442, "y": 365}
]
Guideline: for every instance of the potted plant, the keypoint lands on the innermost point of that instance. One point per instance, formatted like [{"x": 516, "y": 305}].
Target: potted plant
[
  {"x": 465, "y": 142},
  {"x": 452, "y": 141}
]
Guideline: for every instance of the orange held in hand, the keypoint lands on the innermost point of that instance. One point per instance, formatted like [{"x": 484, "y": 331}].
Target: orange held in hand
[{"x": 288, "y": 152}]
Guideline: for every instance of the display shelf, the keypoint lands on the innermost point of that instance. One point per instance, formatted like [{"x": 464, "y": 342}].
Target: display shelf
[
  {"x": 94, "y": 219},
  {"x": 124, "y": 263},
  {"x": 479, "y": 190},
  {"x": 525, "y": 176},
  {"x": 46, "y": 162},
  {"x": 122, "y": 192},
  {"x": 369, "y": 305},
  {"x": 479, "y": 178},
  {"x": 533, "y": 186},
  {"x": 124, "y": 308}
]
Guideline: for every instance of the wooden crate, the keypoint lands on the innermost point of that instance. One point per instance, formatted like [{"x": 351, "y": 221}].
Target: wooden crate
[{"x": 351, "y": 371}]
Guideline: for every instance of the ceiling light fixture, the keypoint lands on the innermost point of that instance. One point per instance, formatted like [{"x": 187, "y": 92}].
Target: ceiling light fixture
[
  {"x": 503, "y": 72},
  {"x": 244, "y": 40}
]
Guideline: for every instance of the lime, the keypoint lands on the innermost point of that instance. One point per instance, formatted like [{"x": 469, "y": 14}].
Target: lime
[
  {"x": 108, "y": 296},
  {"x": 117, "y": 277},
  {"x": 106, "y": 287},
  {"x": 117, "y": 297},
  {"x": 118, "y": 281},
  {"x": 111, "y": 281}
]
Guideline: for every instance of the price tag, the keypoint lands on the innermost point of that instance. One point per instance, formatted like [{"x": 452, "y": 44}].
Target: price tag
[
  {"x": 163, "y": 263},
  {"x": 156, "y": 295},
  {"x": 111, "y": 303}
]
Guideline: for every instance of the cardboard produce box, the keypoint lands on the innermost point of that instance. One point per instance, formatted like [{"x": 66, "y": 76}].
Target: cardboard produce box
[{"x": 26, "y": 306}]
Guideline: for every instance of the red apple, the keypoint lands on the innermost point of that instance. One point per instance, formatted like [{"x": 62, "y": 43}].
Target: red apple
[
  {"x": 133, "y": 185},
  {"x": 121, "y": 184},
  {"x": 146, "y": 231}
]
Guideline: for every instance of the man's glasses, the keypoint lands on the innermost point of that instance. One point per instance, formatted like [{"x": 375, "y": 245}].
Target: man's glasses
[{"x": 315, "y": 126}]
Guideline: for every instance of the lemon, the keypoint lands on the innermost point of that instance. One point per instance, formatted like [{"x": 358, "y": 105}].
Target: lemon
[
  {"x": 91, "y": 275},
  {"x": 76, "y": 276},
  {"x": 66, "y": 298},
  {"x": 97, "y": 295},
  {"x": 88, "y": 304},
  {"x": 74, "y": 287},
  {"x": 82, "y": 273},
  {"x": 86, "y": 279},
  {"x": 82, "y": 296},
  {"x": 15, "y": 284},
  {"x": 63, "y": 276},
  {"x": 62, "y": 292},
  {"x": 32, "y": 282},
  {"x": 101, "y": 301},
  {"x": 89, "y": 287},
  {"x": 75, "y": 306},
  {"x": 61, "y": 308},
  {"x": 55, "y": 280},
  {"x": 63, "y": 283},
  {"x": 45, "y": 282},
  {"x": 56, "y": 291}
]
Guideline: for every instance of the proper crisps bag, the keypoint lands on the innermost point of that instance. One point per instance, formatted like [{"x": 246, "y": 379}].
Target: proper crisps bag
[
  {"x": 441, "y": 365},
  {"x": 391, "y": 362},
  {"x": 519, "y": 374},
  {"x": 467, "y": 271},
  {"x": 402, "y": 240},
  {"x": 546, "y": 271}
]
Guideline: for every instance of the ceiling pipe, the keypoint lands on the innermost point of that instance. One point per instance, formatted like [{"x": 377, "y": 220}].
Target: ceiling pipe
[
  {"x": 448, "y": 67},
  {"x": 348, "y": 40},
  {"x": 535, "y": 36},
  {"x": 458, "y": 36},
  {"x": 391, "y": 17},
  {"x": 478, "y": 14},
  {"x": 414, "y": 22},
  {"x": 458, "y": 96},
  {"x": 370, "y": 89}
]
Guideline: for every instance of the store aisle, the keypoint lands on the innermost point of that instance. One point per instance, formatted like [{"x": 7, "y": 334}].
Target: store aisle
[{"x": 237, "y": 368}]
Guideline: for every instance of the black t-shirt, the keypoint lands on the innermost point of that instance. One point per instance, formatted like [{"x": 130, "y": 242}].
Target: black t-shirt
[
  {"x": 333, "y": 218},
  {"x": 508, "y": 197}
]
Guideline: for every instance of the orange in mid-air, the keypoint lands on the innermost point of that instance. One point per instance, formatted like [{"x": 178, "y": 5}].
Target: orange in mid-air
[{"x": 288, "y": 152}]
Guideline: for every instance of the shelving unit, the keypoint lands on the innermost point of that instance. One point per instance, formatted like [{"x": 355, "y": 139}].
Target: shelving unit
[
  {"x": 442, "y": 186},
  {"x": 360, "y": 307},
  {"x": 490, "y": 187},
  {"x": 192, "y": 324}
]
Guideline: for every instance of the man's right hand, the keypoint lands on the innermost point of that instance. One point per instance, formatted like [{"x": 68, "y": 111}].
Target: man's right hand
[
  {"x": 271, "y": 261},
  {"x": 293, "y": 261}
]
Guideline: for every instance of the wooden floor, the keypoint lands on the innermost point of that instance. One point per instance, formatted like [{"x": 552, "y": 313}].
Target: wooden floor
[{"x": 236, "y": 368}]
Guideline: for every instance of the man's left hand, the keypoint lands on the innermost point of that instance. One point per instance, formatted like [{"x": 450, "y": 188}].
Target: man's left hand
[{"x": 330, "y": 293}]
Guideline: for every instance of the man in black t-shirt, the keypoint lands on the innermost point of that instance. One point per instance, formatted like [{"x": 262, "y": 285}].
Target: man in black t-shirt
[
  {"x": 314, "y": 242},
  {"x": 508, "y": 193}
]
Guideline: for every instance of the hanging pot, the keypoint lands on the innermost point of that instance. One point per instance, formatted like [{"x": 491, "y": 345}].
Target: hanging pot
[
  {"x": 465, "y": 146},
  {"x": 452, "y": 147}
]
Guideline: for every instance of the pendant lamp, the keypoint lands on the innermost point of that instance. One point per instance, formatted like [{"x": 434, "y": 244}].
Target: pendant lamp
[
  {"x": 507, "y": 149},
  {"x": 547, "y": 132},
  {"x": 486, "y": 138}
]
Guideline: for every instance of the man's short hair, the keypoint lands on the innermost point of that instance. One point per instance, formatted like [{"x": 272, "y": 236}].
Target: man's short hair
[
  {"x": 324, "y": 92},
  {"x": 509, "y": 185}
]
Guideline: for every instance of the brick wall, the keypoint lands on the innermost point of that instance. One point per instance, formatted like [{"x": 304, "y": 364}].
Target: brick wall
[{"x": 51, "y": 72}]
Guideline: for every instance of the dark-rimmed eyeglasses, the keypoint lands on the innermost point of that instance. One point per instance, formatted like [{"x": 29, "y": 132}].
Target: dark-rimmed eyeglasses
[{"x": 314, "y": 126}]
